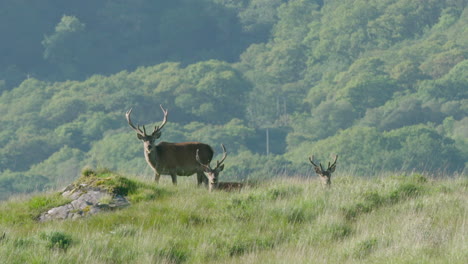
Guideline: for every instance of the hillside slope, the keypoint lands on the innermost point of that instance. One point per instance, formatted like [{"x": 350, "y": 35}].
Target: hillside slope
[{"x": 397, "y": 219}]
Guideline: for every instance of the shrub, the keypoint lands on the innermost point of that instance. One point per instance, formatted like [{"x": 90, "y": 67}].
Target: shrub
[
  {"x": 404, "y": 191},
  {"x": 57, "y": 240},
  {"x": 87, "y": 172}
]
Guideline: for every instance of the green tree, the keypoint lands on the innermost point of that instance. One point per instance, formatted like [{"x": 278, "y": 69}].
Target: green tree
[
  {"x": 451, "y": 87},
  {"x": 406, "y": 73},
  {"x": 234, "y": 134},
  {"x": 61, "y": 168},
  {"x": 213, "y": 91},
  {"x": 421, "y": 148},
  {"x": 358, "y": 148},
  {"x": 63, "y": 110},
  {"x": 121, "y": 152},
  {"x": 259, "y": 16},
  {"x": 367, "y": 91},
  {"x": 66, "y": 47},
  {"x": 401, "y": 112}
]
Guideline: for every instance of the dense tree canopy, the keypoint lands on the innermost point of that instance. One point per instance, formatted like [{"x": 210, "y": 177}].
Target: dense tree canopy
[{"x": 384, "y": 84}]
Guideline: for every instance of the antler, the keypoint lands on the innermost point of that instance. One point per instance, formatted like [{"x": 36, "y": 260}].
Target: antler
[
  {"x": 157, "y": 129},
  {"x": 197, "y": 157},
  {"x": 311, "y": 159},
  {"x": 333, "y": 166},
  {"x": 137, "y": 129},
  {"x": 317, "y": 169},
  {"x": 218, "y": 163}
]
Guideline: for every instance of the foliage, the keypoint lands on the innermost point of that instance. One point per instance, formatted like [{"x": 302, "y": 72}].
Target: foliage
[
  {"x": 415, "y": 147},
  {"x": 57, "y": 240},
  {"x": 381, "y": 83},
  {"x": 66, "y": 45}
]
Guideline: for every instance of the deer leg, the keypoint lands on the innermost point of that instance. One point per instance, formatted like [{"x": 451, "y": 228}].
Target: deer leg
[
  {"x": 174, "y": 179},
  {"x": 201, "y": 178},
  {"x": 156, "y": 177}
]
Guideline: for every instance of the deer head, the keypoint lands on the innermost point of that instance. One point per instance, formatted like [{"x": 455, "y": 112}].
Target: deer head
[
  {"x": 212, "y": 173},
  {"x": 325, "y": 175},
  {"x": 148, "y": 140}
]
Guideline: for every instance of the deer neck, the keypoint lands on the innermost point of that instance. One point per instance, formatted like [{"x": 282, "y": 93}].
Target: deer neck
[{"x": 151, "y": 156}]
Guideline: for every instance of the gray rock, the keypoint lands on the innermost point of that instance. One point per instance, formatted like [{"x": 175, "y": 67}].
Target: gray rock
[{"x": 86, "y": 201}]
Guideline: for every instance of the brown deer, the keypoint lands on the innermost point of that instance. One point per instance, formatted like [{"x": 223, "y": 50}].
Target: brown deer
[
  {"x": 325, "y": 175},
  {"x": 174, "y": 159},
  {"x": 213, "y": 173},
  {"x": 230, "y": 186}
]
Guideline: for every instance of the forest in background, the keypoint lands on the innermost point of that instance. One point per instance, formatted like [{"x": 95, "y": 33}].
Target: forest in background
[{"x": 384, "y": 84}]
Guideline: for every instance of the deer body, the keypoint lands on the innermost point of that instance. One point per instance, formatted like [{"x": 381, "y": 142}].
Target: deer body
[
  {"x": 174, "y": 159},
  {"x": 229, "y": 186},
  {"x": 177, "y": 159}
]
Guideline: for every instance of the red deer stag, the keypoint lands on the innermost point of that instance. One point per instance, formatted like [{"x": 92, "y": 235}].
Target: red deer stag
[
  {"x": 213, "y": 173},
  {"x": 325, "y": 175},
  {"x": 175, "y": 159}
]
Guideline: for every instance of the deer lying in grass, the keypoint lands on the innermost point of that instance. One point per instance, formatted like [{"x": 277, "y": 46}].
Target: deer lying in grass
[
  {"x": 325, "y": 175},
  {"x": 212, "y": 174},
  {"x": 230, "y": 186},
  {"x": 172, "y": 158}
]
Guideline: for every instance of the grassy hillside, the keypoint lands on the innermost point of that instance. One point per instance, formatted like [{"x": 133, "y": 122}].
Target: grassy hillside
[
  {"x": 390, "y": 218},
  {"x": 382, "y": 83}
]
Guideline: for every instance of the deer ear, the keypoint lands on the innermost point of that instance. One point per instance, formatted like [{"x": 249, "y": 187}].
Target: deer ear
[
  {"x": 221, "y": 168},
  {"x": 140, "y": 137}
]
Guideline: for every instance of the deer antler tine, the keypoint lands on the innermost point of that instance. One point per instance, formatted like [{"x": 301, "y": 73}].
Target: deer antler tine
[
  {"x": 311, "y": 159},
  {"x": 332, "y": 167},
  {"x": 224, "y": 153},
  {"x": 165, "y": 112},
  {"x": 197, "y": 158},
  {"x": 334, "y": 161},
  {"x": 128, "y": 112},
  {"x": 218, "y": 163},
  {"x": 130, "y": 123}
]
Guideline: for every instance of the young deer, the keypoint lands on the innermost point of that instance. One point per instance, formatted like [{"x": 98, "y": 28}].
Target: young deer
[
  {"x": 325, "y": 175},
  {"x": 213, "y": 173}
]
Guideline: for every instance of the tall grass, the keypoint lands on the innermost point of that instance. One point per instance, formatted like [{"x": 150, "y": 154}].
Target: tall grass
[{"x": 385, "y": 219}]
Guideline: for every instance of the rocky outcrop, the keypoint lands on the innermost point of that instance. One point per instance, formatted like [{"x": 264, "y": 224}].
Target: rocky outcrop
[{"x": 86, "y": 200}]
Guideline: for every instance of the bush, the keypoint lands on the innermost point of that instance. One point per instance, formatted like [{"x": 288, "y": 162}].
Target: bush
[{"x": 57, "y": 240}]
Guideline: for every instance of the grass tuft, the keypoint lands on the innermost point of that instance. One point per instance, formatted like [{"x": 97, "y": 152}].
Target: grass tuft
[
  {"x": 175, "y": 253},
  {"x": 57, "y": 240},
  {"x": 365, "y": 248},
  {"x": 396, "y": 219}
]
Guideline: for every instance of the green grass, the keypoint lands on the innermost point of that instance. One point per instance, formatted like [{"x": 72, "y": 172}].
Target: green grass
[{"x": 385, "y": 219}]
